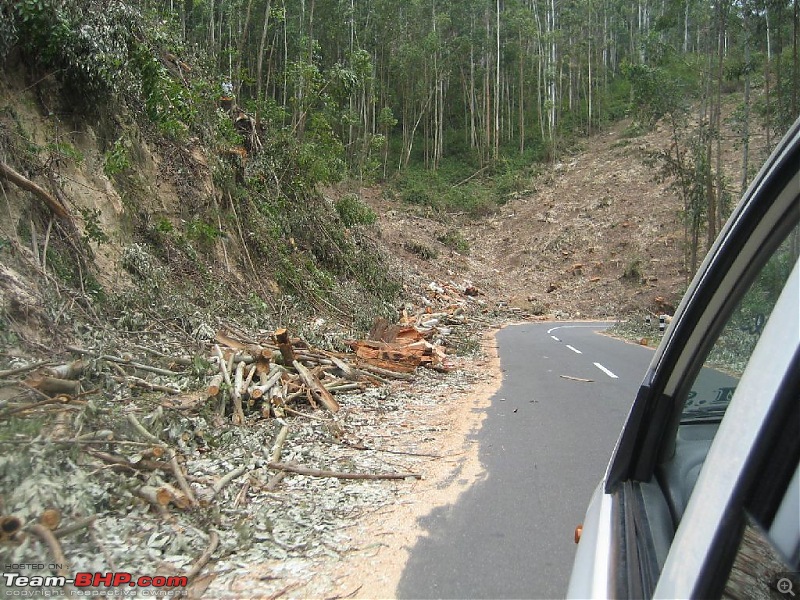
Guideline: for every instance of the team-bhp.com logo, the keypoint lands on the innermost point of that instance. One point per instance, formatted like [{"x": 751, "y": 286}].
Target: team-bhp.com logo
[{"x": 95, "y": 584}]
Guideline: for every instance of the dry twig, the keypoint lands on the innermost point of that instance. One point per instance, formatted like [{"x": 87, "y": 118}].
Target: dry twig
[{"x": 291, "y": 468}]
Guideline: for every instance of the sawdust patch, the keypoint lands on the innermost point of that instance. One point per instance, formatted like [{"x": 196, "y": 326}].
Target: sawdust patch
[{"x": 386, "y": 537}]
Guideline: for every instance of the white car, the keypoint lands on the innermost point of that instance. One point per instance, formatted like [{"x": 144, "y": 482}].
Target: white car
[{"x": 701, "y": 498}]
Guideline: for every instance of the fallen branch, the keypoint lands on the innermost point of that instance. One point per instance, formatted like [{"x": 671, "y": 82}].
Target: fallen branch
[
  {"x": 222, "y": 482},
  {"x": 142, "y": 465},
  {"x": 271, "y": 379},
  {"x": 318, "y": 391},
  {"x": 363, "y": 447},
  {"x": 297, "y": 413},
  {"x": 242, "y": 496},
  {"x": 272, "y": 484},
  {"x": 385, "y": 372},
  {"x": 50, "y": 518},
  {"x": 285, "y": 346},
  {"x": 200, "y": 563},
  {"x": 179, "y": 477},
  {"x": 214, "y": 385},
  {"x": 236, "y": 395},
  {"x": 41, "y": 403},
  {"x": 9, "y": 526},
  {"x": 142, "y": 431},
  {"x": 126, "y": 361},
  {"x": 20, "y": 180},
  {"x": 576, "y": 378},
  {"x": 136, "y": 382},
  {"x": 76, "y": 526},
  {"x": 291, "y": 468},
  {"x": 158, "y": 499},
  {"x": 223, "y": 367},
  {"x": 54, "y": 385},
  {"x": 19, "y": 370},
  {"x": 277, "y": 448},
  {"x": 46, "y": 536},
  {"x": 157, "y": 496}
]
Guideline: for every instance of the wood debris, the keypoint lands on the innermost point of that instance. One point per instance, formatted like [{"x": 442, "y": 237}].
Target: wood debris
[{"x": 213, "y": 456}]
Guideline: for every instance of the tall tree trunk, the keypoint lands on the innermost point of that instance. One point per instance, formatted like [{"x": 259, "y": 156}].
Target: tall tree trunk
[
  {"x": 795, "y": 62},
  {"x": 767, "y": 78},
  {"x": 746, "y": 119},
  {"x": 686, "y": 28},
  {"x": 240, "y": 50},
  {"x": 496, "y": 151},
  {"x": 521, "y": 108},
  {"x": 261, "y": 47},
  {"x": 715, "y": 205}
]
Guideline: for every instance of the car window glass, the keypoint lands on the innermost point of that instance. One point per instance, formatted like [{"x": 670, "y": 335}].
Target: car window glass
[{"x": 713, "y": 388}]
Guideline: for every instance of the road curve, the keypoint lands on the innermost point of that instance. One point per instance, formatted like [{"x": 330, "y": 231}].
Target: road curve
[{"x": 545, "y": 443}]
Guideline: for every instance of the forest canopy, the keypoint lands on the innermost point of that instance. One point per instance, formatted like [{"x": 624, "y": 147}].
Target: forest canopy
[
  {"x": 382, "y": 84},
  {"x": 430, "y": 93}
]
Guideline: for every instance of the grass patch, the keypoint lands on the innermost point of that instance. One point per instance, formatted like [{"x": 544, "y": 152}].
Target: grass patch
[{"x": 455, "y": 241}]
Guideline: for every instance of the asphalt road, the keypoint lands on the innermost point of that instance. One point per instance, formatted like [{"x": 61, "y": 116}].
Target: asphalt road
[{"x": 545, "y": 445}]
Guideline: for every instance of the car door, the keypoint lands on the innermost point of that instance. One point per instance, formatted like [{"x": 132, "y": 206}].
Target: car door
[{"x": 661, "y": 454}]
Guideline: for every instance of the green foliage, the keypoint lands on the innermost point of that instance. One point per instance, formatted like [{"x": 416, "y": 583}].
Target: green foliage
[
  {"x": 164, "y": 225},
  {"x": 386, "y": 119},
  {"x": 633, "y": 271},
  {"x": 199, "y": 230},
  {"x": 92, "y": 232},
  {"x": 424, "y": 251},
  {"x": 455, "y": 189},
  {"x": 117, "y": 159},
  {"x": 654, "y": 92},
  {"x": 85, "y": 42},
  {"x": 454, "y": 240},
  {"x": 167, "y": 102},
  {"x": 354, "y": 212},
  {"x": 321, "y": 153},
  {"x": 61, "y": 150}
]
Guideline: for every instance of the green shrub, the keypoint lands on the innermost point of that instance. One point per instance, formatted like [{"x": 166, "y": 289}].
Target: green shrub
[
  {"x": 86, "y": 42},
  {"x": 92, "y": 232},
  {"x": 354, "y": 212},
  {"x": 421, "y": 250},
  {"x": 117, "y": 159},
  {"x": 455, "y": 241}
]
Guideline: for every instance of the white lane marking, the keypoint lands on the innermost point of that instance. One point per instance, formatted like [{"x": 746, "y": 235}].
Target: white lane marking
[
  {"x": 592, "y": 326},
  {"x": 606, "y": 371},
  {"x": 574, "y": 349},
  {"x": 555, "y": 338}
]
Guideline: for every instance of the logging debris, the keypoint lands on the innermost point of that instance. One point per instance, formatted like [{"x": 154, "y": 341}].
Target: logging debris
[{"x": 260, "y": 447}]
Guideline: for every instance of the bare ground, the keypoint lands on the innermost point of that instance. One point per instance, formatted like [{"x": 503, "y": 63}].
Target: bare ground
[{"x": 595, "y": 236}]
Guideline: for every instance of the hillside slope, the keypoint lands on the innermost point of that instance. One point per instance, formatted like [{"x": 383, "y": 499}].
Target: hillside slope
[{"x": 595, "y": 236}]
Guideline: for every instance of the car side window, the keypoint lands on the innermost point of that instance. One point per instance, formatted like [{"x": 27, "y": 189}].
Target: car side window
[
  {"x": 714, "y": 385},
  {"x": 713, "y": 388}
]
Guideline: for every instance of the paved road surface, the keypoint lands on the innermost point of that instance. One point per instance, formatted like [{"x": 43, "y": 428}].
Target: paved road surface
[{"x": 545, "y": 444}]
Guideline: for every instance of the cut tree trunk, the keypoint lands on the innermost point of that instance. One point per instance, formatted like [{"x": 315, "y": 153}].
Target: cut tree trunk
[
  {"x": 285, "y": 346},
  {"x": 316, "y": 388}
]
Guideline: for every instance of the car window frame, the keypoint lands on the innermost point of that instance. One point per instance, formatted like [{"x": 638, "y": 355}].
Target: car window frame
[{"x": 759, "y": 223}]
